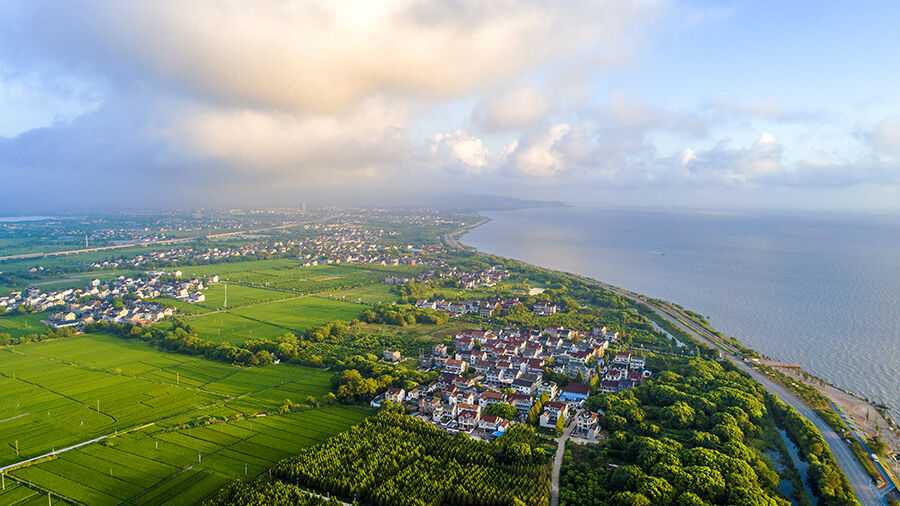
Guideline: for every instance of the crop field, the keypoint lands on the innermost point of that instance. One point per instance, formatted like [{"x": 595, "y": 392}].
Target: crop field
[
  {"x": 286, "y": 274},
  {"x": 49, "y": 391},
  {"x": 20, "y": 495},
  {"x": 238, "y": 295},
  {"x": 370, "y": 294},
  {"x": 273, "y": 319},
  {"x": 154, "y": 466},
  {"x": 22, "y": 325},
  {"x": 225, "y": 327}
]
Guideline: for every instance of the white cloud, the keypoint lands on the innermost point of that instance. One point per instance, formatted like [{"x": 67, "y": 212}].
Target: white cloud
[
  {"x": 318, "y": 56},
  {"x": 885, "y": 137},
  {"x": 368, "y": 140},
  {"x": 452, "y": 149},
  {"x": 541, "y": 156},
  {"x": 300, "y": 93},
  {"x": 723, "y": 165},
  {"x": 512, "y": 109}
]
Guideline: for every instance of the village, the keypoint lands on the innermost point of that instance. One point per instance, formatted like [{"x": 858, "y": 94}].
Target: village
[
  {"x": 332, "y": 245},
  {"x": 121, "y": 300},
  {"x": 485, "y": 367}
]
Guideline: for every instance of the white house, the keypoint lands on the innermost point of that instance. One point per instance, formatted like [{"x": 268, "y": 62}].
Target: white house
[{"x": 552, "y": 412}]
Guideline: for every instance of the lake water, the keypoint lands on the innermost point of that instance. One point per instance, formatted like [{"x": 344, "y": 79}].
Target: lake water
[{"x": 819, "y": 290}]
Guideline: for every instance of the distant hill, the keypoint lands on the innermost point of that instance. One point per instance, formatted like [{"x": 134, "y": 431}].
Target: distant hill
[{"x": 486, "y": 202}]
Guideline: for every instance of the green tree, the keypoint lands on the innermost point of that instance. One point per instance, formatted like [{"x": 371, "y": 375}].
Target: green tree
[
  {"x": 560, "y": 425},
  {"x": 501, "y": 409}
]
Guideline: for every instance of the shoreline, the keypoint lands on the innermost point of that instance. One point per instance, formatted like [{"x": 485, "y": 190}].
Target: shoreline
[
  {"x": 857, "y": 405},
  {"x": 464, "y": 230}
]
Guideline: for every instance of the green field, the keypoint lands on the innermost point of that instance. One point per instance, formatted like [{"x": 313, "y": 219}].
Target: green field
[
  {"x": 48, "y": 400},
  {"x": 22, "y": 325},
  {"x": 288, "y": 274},
  {"x": 273, "y": 319},
  {"x": 49, "y": 390},
  {"x": 370, "y": 294},
  {"x": 238, "y": 295},
  {"x": 155, "y": 466}
]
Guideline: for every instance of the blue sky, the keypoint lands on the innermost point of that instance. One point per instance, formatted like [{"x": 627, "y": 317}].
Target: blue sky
[{"x": 668, "y": 103}]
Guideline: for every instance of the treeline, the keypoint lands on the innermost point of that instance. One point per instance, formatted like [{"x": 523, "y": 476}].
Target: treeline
[
  {"x": 361, "y": 374},
  {"x": 828, "y": 482},
  {"x": 703, "y": 349},
  {"x": 403, "y": 314},
  {"x": 395, "y": 459},
  {"x": 363, "y": 377},
  {"x": 701, "y": 320},
  {"x": 267, "y": 493},
  {"x": 688, "y": 436},
  {"x": 52, "y": 333},
  {"x": 182, "y": 339}
]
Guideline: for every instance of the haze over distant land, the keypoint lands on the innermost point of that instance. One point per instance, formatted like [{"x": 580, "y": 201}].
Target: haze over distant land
[{"x": 751, "y": 104}]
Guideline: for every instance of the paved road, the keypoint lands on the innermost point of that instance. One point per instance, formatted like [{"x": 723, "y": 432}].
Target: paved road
[
  {"x": 557, "y": 462},
  {"x": 862, "y": 484}
]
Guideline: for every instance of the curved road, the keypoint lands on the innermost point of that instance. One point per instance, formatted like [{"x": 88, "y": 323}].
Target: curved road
[{"x": 862, "y": 484}]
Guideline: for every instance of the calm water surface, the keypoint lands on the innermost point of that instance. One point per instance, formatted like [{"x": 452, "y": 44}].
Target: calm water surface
[{"x": 819, "y": 290}]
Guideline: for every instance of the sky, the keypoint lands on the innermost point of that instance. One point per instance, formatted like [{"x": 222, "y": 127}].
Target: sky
[{"x": 742, "y": 104}]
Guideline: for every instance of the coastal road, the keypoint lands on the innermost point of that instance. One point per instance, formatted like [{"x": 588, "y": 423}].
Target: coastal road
[
  {"x": 862, "y": 484},
  {"x": 557, "y": 462}
]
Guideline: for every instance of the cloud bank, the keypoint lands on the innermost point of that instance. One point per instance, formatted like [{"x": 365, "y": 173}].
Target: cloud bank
[{"x": 262, "y": 101}]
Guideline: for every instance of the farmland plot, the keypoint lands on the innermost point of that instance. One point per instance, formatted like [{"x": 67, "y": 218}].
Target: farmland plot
[
  {"x": 156, "y": 466},
  {"x": 273, "y": 319},
  {"x": 49, "y": 391}
]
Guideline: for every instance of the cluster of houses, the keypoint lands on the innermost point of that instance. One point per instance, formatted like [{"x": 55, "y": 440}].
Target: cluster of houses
[
  {"x": 465, "y": 280},
  {"x": 335, "y": 245},
  {"x": 198, "y": 254},
  {"x": 486, "y": 309},
  {"x": 455, "y": 403},
  {"x": 494, "y": 306},
  {"x": 341, "y": 244},
  {"x": 121, "y": 300},
  {"x": 488, "y": 277},
  {"x": 488, "y": 366}
]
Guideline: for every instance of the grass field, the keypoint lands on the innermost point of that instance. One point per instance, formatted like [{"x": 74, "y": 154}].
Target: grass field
[
  {"x": 238, "y": 295},
  {"x": 288, "y": 274},
  {"x": 49, "y": 390},
  {"x": 22, "y": 325},
  {"x": 155, "y": 466},
  {"x": 371, "y": 294},
  {"x": 20, "y": 495},
  {"x": 273, "y": 319}
]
